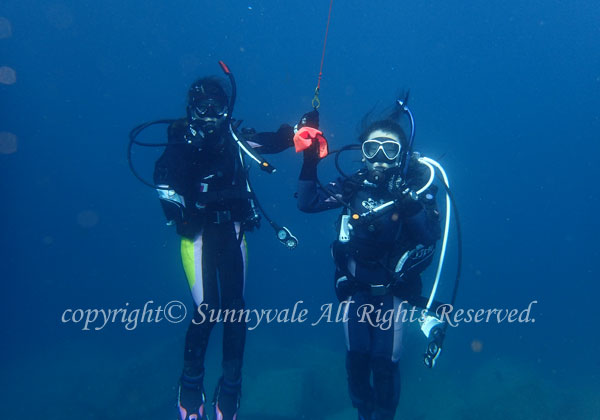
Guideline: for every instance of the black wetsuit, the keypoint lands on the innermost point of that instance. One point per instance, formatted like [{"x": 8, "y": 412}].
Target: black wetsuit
[
  {"x": 371, "y": 270},
  {"x": 211, "y": 207}
]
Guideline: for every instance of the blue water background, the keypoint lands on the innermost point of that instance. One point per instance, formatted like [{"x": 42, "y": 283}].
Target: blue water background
[{"x": 505, "y": 93}]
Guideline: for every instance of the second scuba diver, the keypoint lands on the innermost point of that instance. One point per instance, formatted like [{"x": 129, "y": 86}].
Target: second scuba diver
[
  {"x": 386, "y": 237},
  {"x": 205, "y": 192}
]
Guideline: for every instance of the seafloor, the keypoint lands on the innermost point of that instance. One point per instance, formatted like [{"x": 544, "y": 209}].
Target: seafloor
[{"x": 290, "y": 375}]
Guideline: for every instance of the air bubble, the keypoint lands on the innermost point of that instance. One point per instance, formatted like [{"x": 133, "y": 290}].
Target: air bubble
[
  {"x": 5, "y": 28},
  {"x": 8, "y": 143},
  {"x": 8, "y": 76},
  {"x": 87, "y": 219}
]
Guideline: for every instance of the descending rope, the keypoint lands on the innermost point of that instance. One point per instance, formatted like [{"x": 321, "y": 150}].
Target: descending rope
[{"x": 316, "y": 103}]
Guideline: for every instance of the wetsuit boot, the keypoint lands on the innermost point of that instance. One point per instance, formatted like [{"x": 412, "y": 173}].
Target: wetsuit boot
[
  {"x": 226, "y": 401},
  {"x": 191, "y": 401}
]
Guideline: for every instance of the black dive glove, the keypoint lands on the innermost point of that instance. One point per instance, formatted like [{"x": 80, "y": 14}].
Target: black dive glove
[
  {"x": 251, "y": 222},
  {"x": 344, "y": 288},
  {"x": 311, "y": 155},
  {"x": 406, "y": 286},
  {"x": 408, "y": 206},
  {"x": 310, "y": 119}
]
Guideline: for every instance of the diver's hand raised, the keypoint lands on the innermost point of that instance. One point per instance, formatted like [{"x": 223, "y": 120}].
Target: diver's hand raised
[{"x": 310, "y": 119}]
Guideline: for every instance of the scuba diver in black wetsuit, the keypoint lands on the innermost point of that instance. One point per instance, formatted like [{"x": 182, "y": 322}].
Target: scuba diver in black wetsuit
[
  {"x": 387, "y": 237},
  {"x": 204, "y": 190}
]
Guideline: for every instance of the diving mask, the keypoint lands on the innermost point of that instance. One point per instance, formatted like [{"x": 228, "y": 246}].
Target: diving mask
[{"x": 391, "y": 148}]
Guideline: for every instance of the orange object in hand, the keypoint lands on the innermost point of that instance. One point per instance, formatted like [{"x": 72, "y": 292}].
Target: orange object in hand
[{"x": 306, "y": 136}]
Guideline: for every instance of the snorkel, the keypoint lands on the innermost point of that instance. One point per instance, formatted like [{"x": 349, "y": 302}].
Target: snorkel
[
  {"x": 233, "y": 88},
  {"x": 411, "y": 139},
  {"x": 243, "y": 145},
  {"x": 283, "y": 233}
]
